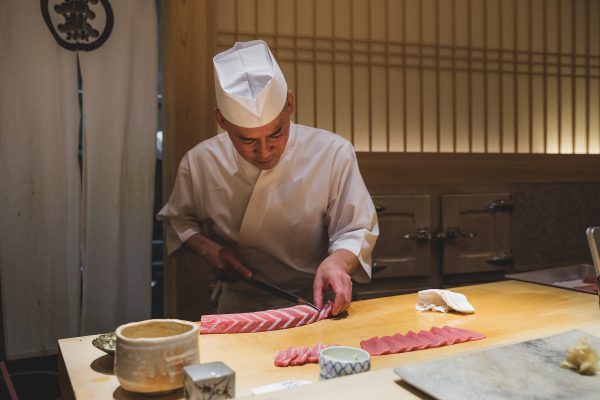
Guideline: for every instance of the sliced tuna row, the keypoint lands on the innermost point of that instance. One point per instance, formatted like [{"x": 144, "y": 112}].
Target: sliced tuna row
[
  {"x": 412, "y": 341},
  {"x": 299, "y": 355},
  {"x": 262, "y": 321}
]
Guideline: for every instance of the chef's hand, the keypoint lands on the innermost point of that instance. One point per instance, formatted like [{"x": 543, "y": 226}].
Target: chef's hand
[
  {"x": 226, "y": 262},
  {"x": 334, "y": 273},
  {"x": 228, "y": 265}
]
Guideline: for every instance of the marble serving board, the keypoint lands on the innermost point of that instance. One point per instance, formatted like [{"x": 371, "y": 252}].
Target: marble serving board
[{"x": 526, "y": 370}]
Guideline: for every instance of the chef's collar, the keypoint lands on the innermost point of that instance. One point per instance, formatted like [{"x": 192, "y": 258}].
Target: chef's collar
[{"x": 250, "y": 171}]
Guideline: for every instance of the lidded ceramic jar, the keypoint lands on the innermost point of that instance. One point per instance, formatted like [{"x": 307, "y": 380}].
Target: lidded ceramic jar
[{"x": 150, "y": 355}]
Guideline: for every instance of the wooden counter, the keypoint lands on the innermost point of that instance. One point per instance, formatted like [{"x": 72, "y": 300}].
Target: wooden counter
[{"x": 507, "y": 312}]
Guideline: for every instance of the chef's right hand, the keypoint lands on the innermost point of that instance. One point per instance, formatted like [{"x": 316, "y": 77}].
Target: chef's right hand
[
  {"x": 228, "y": 265},
  {"x": 226, "y": 262}
]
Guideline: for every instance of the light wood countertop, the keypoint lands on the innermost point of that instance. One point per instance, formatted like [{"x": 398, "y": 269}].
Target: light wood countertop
[{"x": 507, "y": 312}]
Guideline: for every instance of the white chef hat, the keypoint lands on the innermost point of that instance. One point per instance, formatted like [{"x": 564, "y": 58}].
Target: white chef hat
[{"x": 251, "y": 89}]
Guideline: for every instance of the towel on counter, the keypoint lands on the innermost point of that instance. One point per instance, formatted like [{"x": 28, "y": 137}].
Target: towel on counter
[{"x": 443, "y": 300}]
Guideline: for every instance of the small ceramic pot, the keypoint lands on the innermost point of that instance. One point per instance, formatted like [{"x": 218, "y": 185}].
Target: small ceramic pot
[
  {"x": 150, "y": 355},
  {"x": 342, "y": 360},
  {"x": 209, "y": 381}
]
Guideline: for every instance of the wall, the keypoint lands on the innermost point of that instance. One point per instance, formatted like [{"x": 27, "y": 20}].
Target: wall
[
  {"x": 550, "y": 220},
  {"x": 467, "y": 76}
]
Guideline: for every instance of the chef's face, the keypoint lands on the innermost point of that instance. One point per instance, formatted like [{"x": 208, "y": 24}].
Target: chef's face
[{"x": 262, "y": 146}]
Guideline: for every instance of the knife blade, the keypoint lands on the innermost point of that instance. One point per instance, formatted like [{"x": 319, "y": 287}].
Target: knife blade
[{"x": 283, "y": 294}]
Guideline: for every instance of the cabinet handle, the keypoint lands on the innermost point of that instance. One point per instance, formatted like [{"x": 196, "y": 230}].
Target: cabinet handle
[
  {"x": 379, "y": 208},
  {"x": 501, "y": 260},
  {"x": 377, "y": 268},
  {"x": 453, "y": 234},
  {"x": 421, "y": 235},
  {"x": 501, "y": 205}
]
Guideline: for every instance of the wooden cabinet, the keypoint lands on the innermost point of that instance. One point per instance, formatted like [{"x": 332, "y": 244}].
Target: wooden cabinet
[
  {"x": 476, "y": 233},
  {"x": 437, "y": 239},
  {"x": 397, "y": 255}
]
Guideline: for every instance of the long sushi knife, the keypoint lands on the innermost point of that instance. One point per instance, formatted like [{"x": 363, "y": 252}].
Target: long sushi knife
[{"x": 283, "y": 294}]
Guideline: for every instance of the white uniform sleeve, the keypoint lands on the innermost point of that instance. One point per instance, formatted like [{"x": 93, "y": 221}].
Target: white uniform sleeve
[
  {"x": 351, "y": 217},
  {"x": 179, "y": 214}
]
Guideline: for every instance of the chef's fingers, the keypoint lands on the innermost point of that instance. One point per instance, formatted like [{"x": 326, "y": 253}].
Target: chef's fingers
[
  {"x": 240, "y": 268},
  {"x": 227, "y": 275},
  {"x": 342, "y": 302},
  {"x": 342, "y": 287},
  {"x": 230, "y": 263},
  {"x": 318, "y": 292}
]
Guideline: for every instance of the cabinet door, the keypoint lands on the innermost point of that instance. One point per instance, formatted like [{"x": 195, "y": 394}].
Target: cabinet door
[
  {"x": 476, "y": 229},
  {"x": 394, "y": 255}
]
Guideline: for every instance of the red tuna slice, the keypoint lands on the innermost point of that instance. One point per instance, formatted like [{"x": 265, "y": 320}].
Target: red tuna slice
[
  {"x": 409, "y": 344},
  {"x": 396, "y": 346},
  {"x": 302, "y": 354},
  {"x": 412, "y": 341},
  {"x": 294, "y": 353},
  {"x": 244, "y": 322},
  {"x": 471, "y": 335},
  {"x": 252, "y": 322},
  {"x": 435, "y": 340},
  {"x": 228, "y": 324},
  {"x": 422, "y": 342},
  {"x": 313, "y": 356},
  {"x": 263, "y": 321},
  {"x": 294, "y": 316},
  {"x": 282, "y": 320},
  {"x": 284, "y": 357},
  {"x": 375, "y": 346},
  {"x": 453, "y": 337},
  {"x": 299, "y": 355}
]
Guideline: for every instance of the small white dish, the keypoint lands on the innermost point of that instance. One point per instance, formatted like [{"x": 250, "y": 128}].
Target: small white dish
[{"x": 338, "y": 361}]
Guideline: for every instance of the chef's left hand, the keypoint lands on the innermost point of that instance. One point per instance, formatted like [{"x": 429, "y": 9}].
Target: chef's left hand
[{"x": 334, "y": 273}]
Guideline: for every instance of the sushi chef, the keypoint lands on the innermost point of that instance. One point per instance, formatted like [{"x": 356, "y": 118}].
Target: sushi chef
[{"x": 269, "y": 198}]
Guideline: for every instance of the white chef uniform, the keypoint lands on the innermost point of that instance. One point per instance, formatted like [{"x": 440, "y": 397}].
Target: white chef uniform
[{"x": 283, "y": 221}]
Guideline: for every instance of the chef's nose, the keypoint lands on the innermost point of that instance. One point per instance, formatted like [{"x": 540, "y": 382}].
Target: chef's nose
[{"x": 263, "y": 148}]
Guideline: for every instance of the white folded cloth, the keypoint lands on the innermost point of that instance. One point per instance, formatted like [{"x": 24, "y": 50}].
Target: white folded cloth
[{"x": 443, "y": 300}]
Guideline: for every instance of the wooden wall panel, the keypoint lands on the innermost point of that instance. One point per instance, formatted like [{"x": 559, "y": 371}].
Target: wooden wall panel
[
  {"x": 343, "y": 103},
  {"x": 520, "y": 73},
  {"x": 188, "y": 98},
  {"x": 452, "y": 170}
]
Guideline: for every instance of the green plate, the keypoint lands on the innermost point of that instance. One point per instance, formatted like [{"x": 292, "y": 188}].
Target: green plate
[{"x": 107, "y": 342}]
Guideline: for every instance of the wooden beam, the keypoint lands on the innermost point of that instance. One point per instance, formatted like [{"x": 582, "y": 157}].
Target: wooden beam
[
  {"x": 432, "y": 168},
  {"x": 188, "y": 45}
]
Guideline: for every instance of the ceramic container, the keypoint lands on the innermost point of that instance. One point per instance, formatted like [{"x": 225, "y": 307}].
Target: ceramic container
[
  {"x": 342, "y": 360},
  {"x": 209, "y": 381},
  {"x": 150, "y": 355}
]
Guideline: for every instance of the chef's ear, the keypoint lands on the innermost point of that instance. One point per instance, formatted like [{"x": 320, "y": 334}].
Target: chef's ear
[
  {"x": 289, "y": 103},
  {"x": 220, "y": 119}
]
